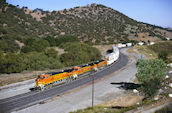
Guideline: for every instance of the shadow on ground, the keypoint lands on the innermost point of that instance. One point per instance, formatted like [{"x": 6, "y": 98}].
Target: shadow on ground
[{"x": 126, "y": 85}]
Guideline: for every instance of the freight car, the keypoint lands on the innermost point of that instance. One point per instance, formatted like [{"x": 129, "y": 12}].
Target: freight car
[
  {"x": 46, "y": 80},
  {"x": 112, "y": 57}
]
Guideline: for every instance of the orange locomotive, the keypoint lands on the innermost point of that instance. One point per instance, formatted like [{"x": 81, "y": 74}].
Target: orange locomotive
[{"x": 48, "y": 79}]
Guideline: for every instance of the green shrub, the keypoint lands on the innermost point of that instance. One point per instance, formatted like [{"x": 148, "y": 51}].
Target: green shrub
[
  {"x": 64, "y": 39},
  {"x": 16, "y": 63},
  {"x": 9, "y": 45},
  {"x": 12, "y": 63},
  {"x": 78, "y": 53},
  {"x": 39, "y": 61},
  {"x": 51, "y": 41},
  {"x": 50, "y": 52},
  {"x": 32, "y": 44}
]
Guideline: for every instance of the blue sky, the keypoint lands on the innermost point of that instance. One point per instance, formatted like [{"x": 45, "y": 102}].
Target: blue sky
[{"x": 156, "y": 12}]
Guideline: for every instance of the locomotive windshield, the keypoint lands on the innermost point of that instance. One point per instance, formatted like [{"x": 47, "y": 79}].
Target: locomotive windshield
[{"x": 41, "y": 77}]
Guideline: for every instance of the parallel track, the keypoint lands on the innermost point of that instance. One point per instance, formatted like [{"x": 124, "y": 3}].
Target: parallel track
[{"x": 24, "y": 100}]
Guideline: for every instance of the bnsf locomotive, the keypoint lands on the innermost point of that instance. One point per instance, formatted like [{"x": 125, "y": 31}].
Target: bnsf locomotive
[{"x": 48, "y": 79}]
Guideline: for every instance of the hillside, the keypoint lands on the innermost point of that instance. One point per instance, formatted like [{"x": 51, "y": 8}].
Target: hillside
[{"x": 94, "y": 23}]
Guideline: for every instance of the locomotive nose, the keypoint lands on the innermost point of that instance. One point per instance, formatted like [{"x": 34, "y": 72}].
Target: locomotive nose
[{"x": 37, "y": 80}]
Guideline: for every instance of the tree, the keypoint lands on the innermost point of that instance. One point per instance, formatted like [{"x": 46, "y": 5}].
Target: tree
[
  {"x": 51, "y": 41},
  {"x": 40, "y": 45},
  {"x": 79, "y": 53},
  {"x": 148, "y": 41},
  {"x": 2, "y": 2},
  {"x": 65, "y": 39},
  {"x": 12, "y": 63},
  {"x": 39, "y": 61},
  {"x": 163, "y": 55},
  {"x": 50, "y": 52},
  {"x": 134, "y": 42},
  {"x": 1, "y": 60},
  {"x": 9, "y": 45},
  {"x": 150, "y": 74},
  {"x": 35, "y": 45},
  {"x": 29, "y": 41}
]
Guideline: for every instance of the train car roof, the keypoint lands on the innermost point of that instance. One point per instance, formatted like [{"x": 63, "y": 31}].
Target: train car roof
[
  {"x": 91, "y": 64},
  {"x": 68, "y": 70},
  {"x": 110, "y": 54},
  {"x": 99, "y": 61},
  {"x": 84, "y": 65},
  {"x": 53, "y": 73}
]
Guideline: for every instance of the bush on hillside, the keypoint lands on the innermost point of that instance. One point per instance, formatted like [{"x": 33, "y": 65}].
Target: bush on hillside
[
  {"x": 16, "y": 63},
  {"x": 64, "y": 39},
  {"x": 51, "y": 52},
  {"x": 51, "y": 41},
  {"x": 79, "y": 53},
  {"x": 9, "y": 46},
  {"x": 163, "y": 55},
  {"x": 39, "y": 61},
  {"x": 38, "y": 45},
  {"x": 11, "y": 63}
]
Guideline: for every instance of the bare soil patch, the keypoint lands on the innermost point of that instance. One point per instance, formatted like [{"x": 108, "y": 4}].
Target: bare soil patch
[
  {"x": 125, "y": 100},
  {"x": 60, "y": 51}
]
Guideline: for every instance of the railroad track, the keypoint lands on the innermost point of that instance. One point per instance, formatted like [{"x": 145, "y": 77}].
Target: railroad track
[{"x": 24, "y": 100}]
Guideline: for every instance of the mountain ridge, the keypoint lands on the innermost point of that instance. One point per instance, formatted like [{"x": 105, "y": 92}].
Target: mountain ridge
[{"x": 93, "y": 23}]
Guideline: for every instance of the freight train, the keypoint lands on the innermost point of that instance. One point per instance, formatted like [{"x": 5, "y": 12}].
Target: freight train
[{"x": 46, "y": 80}]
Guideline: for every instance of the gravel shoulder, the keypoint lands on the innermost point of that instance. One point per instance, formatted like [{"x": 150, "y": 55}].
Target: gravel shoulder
[
  {"x": 16, "y": 88},
  {"x": 81, "y": 97}
]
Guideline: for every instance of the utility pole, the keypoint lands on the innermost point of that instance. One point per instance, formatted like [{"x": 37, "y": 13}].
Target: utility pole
[
  {"x": 92, "y": 90},
  {"x": 35, "y": 68}
]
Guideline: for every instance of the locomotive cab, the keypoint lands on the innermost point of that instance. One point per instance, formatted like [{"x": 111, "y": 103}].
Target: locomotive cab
[
  {"x": 41, "y": 80},
  {"x": 41, "y": 77},
  {"x": 76, "y": 68}
]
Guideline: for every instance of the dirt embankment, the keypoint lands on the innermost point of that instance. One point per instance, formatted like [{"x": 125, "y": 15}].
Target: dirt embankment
[
  {"x": 6, "y": 79},
  {"x": 103, "y": 48},
  {"x": 144, "y": 50}
]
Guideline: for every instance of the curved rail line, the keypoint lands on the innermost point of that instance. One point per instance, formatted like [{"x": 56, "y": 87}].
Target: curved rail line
[{"x": 24, "y": 100}]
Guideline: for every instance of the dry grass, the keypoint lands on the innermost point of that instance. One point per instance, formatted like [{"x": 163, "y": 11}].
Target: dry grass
[
  {"x": 150, "y": 104},
  {"x": 132, "y": 50},
  {"x": 149, "y": 54},
  {"x": 121, "y": 104},
  {"x": 6, "y": 79},
  {"x": 124, "y": 101}
]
